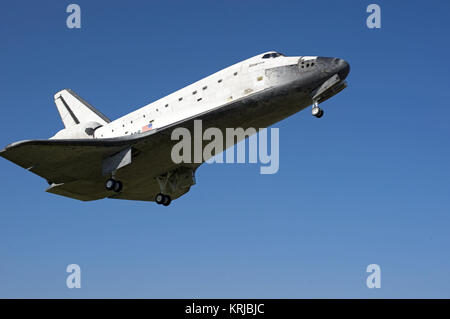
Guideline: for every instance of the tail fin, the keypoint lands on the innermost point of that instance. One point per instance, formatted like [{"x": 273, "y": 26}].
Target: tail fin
[{"x": 73, "y": 109}]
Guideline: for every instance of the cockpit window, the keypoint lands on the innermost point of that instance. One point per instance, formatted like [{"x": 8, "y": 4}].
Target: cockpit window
[{"x": 272, "y": 55}]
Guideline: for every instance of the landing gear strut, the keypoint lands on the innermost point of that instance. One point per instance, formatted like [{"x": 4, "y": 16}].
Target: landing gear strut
[
  {"x": 316, "y": 110},
  {"x": 113, "y": 185},
  {"x": 173, "y": 184}
]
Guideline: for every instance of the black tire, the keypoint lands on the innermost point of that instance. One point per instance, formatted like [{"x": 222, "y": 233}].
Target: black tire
[
  {"x": 159, "y": 198},
  {"x": 167, "y": 200},
  {"x": 118, "y": 186},
  {"x": 109, "y": 185},
  {"x": 320, "y": 114}
]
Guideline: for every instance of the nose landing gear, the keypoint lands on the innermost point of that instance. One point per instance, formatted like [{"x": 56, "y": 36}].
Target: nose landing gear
[{"x": 316, "y": 110}]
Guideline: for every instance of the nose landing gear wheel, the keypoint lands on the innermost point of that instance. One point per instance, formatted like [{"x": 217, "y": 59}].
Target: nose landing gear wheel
[
  {"x": 320, "y": 114},
  {"x": 113, "y": 185},
  {"x": 316, "y": 110}
]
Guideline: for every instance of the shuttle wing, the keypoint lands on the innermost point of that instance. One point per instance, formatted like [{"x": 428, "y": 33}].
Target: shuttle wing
[
  {"x": 73, "y": 167},
  {"x": 59, "y": 160}
]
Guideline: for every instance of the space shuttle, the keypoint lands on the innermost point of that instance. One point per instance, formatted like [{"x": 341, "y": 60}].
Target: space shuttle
[{"x": 94, "y": 157}]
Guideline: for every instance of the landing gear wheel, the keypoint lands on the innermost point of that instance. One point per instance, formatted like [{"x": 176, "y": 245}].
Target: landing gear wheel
[
  {"x": 159, "y": 198},
  {"x": 113, "y": 185},
  {"x": 167, "y": 200},
  {"x": 109, "y": 185},
  {"x": 320, "y": 114},
  {"x": 162, "y": 199},
  {"x": 117, "y": 186},
  {"x": 317, "y": 112}
]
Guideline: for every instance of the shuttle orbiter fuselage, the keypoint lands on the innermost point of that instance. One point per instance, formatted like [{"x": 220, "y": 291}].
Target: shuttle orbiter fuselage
[{"x": 132, "y": 154}]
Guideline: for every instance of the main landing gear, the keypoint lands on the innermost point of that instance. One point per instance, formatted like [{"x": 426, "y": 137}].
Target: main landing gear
[
  {"x": 162, "y": 199},
  {"x": 316, "y": 110},
  {"x": 113, "y": 185}
]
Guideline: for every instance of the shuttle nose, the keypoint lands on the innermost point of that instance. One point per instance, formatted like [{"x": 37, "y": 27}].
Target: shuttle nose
[
  {"x": 334, "y": 65},
  {"x": 344, "y": 69}
]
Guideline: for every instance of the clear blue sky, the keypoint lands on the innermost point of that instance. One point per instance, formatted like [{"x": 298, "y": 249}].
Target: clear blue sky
[{"x": 368, "y": 183}]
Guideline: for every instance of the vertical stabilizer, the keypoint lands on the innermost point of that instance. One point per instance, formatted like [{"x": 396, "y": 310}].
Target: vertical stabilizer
[{"x": 74, "y": 110}]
